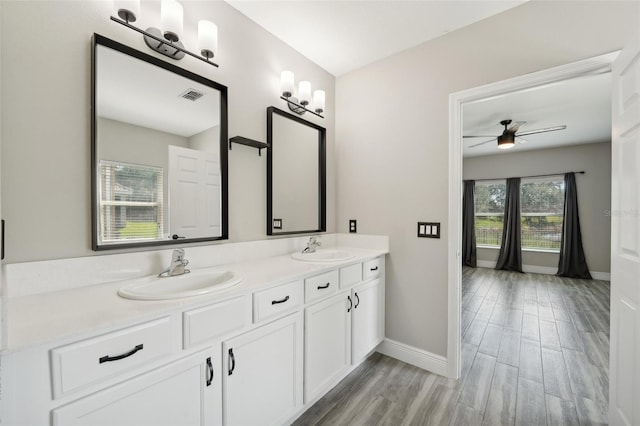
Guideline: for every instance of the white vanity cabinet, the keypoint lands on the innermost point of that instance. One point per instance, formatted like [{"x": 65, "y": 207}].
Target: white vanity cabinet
[
  {"x": 262, "y": 373},
  {"x": 342, "y": 330},
  {"x": 327, "y": 345},
  {"x": 367, "y": 318},
  {"x": 184, "y": 392},
  {"x": 258, "y": 355}
]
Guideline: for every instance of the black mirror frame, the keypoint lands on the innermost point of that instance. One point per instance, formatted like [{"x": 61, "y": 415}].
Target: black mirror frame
[
  {"x": 322, "y": 172},
  {"x": 224, "y": 142}
]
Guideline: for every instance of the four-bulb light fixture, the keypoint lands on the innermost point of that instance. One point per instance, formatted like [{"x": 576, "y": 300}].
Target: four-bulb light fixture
[
  {"x": 167, "y": 40},
  {"x": 301, "y": 103}
]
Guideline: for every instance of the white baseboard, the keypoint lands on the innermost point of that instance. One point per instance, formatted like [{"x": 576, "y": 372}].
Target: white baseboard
[
  {"x": 411, "y": 355},
  {"x": 604, "y": 276},
  {"x": 547, "y": 270}
]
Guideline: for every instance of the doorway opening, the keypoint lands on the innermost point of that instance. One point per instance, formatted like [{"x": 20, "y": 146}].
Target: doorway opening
[{"x": 459, "y": 102}]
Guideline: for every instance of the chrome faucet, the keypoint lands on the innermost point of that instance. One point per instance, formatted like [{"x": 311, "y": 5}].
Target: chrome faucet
[
  {"x": 177, "y": 265},
  {"x": 312, "y": 245}
]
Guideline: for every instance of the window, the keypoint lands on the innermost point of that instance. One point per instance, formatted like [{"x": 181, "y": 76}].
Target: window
[
  {"x": 131, "y": 202},
  {"x": 542, "y": 207},
  {"x": 489, "y": 203}
]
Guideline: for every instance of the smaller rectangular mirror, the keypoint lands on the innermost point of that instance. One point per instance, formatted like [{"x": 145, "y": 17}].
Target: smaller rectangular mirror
[{"x": 296, "y": 174}]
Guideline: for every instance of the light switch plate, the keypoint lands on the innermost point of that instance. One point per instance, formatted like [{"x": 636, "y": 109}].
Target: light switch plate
[
  {"x": 428, "y": 229},
  {"x": 353, "y": 226},
  {"x": 277, "y": 223}
]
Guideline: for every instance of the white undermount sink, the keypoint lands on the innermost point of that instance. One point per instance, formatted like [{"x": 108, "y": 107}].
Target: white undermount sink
[
  {"x": 323, "y": 255},
  {"x": 196, "y": 283}
]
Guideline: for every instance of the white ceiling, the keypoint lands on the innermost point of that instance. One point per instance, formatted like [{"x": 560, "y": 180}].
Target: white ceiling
[
  {"x": 342, "y": 35},
  {"x": 582, "y": 104},
  {"x": 138, "y": 93}
]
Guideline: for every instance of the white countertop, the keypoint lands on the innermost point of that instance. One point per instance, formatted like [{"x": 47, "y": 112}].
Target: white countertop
[{"x": 42, "y": 318}]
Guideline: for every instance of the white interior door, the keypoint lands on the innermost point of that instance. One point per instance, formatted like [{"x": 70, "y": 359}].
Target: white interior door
[
  {"x": 194, "y": 193},
  {"x": 624, "y": 371}
]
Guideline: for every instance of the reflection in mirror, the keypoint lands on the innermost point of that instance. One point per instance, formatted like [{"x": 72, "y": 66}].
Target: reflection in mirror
[
  {"x": 296, "y": 170},
  {"x": 160, "y": 152}
]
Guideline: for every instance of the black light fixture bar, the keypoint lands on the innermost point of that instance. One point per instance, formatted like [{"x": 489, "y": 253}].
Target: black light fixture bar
[
  {"x": 301, "y": 106},
  {"x": 163, "y": 41}
]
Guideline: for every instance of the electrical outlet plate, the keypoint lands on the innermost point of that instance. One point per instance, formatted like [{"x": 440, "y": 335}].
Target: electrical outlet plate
[
  {"x": 428, "y": 229},
  {"x": 277, "y": 223},
  {"x": 353, "y": 226}
]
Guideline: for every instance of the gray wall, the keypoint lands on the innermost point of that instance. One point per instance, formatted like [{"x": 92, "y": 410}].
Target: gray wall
[
  {"x": 392, "y": 137},
  {"x": 594, "y": 194},
  {"x": 207, "y": 141},
  {"x": 46, "y": 115}
]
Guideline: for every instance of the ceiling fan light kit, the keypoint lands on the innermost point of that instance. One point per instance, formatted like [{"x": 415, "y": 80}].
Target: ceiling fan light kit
[{"x": 506, "y": 141}]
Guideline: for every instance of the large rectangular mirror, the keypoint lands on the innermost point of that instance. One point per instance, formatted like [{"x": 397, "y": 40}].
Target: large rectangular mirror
[
  {"x": 159, "y": 151},
  {"x": 296, "y": 174}
]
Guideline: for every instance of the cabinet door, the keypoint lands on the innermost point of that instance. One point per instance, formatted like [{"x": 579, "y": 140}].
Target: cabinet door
[
  {"x": 263, "y": 374},
  {"x": 367, "y": 330},
  {"x": 327, "y": 343},
  {"x": 179, "y": 393}
]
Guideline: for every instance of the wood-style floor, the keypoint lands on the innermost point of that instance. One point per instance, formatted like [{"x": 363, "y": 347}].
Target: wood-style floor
[{"x": 535, "y": 351}]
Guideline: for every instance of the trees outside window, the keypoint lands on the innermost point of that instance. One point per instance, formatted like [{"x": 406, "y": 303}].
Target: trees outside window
[
  {"x": 541, "y": 211},
  {"x": 131, "y": 202},
  {"x": 489, "y": 203}
]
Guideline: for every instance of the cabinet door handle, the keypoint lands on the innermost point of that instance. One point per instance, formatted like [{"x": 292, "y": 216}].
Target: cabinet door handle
[
  {"x": 322, "y": 287},
  {"x": 108, "y": 358},
  {"x": 357, "y": 301},
  {"x": 210, "y": 369},
  {"x": 374, "y": 268},
  {"x": 232, "y": 361},
  {"x": 275, "y": 302},
  {"x": 176, "y": 237},
  {"x": 350, "y": 304}
]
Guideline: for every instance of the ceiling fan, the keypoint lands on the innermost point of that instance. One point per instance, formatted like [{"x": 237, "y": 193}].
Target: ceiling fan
[{"x": 508, "y": 137}]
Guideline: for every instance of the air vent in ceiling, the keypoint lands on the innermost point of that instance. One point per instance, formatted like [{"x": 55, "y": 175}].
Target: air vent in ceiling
[{"x": 192, "y": 94}]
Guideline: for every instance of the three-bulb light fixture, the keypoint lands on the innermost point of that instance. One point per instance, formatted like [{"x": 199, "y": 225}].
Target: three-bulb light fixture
[
  {"x": 304, "y": 102},
  {"x": 167, "y": 40}
]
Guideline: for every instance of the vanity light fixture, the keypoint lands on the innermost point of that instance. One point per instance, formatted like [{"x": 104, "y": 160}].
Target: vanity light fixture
[
  {"x": 167, "y": 40},
  {"x": 300, "y": 104}
]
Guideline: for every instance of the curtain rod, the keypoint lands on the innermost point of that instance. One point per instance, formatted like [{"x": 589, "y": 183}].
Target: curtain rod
[{"x": 533, "y": 176}]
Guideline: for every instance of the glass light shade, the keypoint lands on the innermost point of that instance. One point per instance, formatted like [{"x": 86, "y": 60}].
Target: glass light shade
[
  {"x": 506, "y": 141},
  {"x": 304, "y": 92},
  {"x": 171, "y": 19},
  {"x": 318, "y": 101},
  {"x": 127, "y": 10},
  {"x": 286, "y": 83},
  {"x": 208, "y": 38}
]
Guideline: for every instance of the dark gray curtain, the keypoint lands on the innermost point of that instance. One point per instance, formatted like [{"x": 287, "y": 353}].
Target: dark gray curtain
[
  {"x": 510, "y": 257},
  {"x": 468, "y": 224},
  {"x": 572, "y": 261}
]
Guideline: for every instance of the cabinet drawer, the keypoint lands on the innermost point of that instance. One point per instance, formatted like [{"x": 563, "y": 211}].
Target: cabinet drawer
[
  {"x": 215, "y": 320},
  {"x": 350, "y": 275},
  {"x": 89, "y": 361},
  {"x": 277, "y": 300},
  {"x": 320, "y": 285},
  {"x": 371, "y": 268},
  {"x": 173, "y": 394}
]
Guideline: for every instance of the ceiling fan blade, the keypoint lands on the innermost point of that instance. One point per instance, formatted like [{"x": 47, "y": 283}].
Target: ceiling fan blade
[
  {"x": 521, "y": 140},
  {"x": 480, "y": 136},
  {"x": 515, "y": 126},
  {"x": 485, "y": 142},
  {"x": 548, "y": 129}
]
